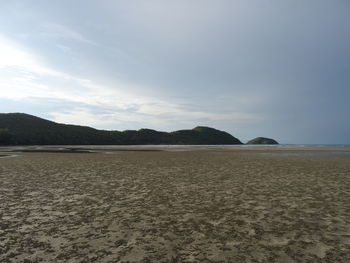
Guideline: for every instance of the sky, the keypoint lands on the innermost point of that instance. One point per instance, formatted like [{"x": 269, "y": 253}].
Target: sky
[{"x": 278, "y": 69}]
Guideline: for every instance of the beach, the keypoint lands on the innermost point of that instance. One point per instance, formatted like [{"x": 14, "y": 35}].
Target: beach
[{"x": 175, "y": 204}]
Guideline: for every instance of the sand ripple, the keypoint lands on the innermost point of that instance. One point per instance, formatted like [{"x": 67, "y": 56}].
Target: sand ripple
[{"x": 194, "y": 206}]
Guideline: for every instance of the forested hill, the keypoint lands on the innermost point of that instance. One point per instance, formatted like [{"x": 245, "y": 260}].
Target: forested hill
[{"x": 25, "y": 129}]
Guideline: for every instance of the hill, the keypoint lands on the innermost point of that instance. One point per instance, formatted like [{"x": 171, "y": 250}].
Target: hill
[
  {"x": 25, "y": 129},
  {"x": 262, "y": 140}
]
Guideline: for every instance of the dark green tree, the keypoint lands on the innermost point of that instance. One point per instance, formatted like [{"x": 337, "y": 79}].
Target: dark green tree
[{"x": 5, "y": 137}]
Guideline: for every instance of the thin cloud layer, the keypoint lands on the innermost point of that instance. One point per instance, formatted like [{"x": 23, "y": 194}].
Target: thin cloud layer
[
  {"x": 278, "y": 68},
  {"x": 26, "y": 77}
]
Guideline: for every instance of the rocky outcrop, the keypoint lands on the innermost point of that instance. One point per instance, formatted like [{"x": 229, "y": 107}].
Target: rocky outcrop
[{"x": 262, "y": 140}]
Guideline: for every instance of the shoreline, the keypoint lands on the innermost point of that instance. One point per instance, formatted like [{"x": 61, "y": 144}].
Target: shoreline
[{"x": 278, "y": 149}]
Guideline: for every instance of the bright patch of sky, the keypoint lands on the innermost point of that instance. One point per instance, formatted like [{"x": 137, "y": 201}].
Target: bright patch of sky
[{"x": 253, "y": 68}]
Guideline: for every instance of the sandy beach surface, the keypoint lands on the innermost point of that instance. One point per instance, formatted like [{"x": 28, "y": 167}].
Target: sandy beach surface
[{"x": 174, "y": 204}]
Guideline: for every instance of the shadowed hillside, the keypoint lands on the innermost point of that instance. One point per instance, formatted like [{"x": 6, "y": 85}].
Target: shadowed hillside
[
  {"x": 25, "y": 129},
  {"x": 262, "y": 140}
]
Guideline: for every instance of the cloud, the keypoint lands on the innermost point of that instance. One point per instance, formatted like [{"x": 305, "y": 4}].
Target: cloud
[
  {"x": 25, "y": 76},
  {"x": 14, "y": 57},
  {"x": 55, "y": 30},
  {"x": 64, "y": 48},
  {"x": 145, "y": 116},
  {"x": 273, "y": 68}
]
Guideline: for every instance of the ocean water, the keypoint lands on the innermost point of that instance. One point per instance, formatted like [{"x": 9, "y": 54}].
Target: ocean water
[
  {"x": 288, "y": 146},
  {"x": 305, "y": 150},
  {"x": 306, "y": 154}
]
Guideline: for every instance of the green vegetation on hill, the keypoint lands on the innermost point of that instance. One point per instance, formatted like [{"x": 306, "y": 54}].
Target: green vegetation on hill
[
  {"x": 5, "y": 137},
  {"x": 204, "y": 135},
  {"x": 24, "y": 129},
  {"x": 262, "y": 140}
]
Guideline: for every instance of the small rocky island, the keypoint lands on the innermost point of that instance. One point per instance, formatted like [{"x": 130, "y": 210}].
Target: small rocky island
[{"x": 262, "y": 140}]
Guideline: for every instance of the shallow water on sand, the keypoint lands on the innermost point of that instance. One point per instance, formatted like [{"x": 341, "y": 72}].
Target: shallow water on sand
[
  {"x": 305, "y": 154},
  {"x": 8, "y": 155}
]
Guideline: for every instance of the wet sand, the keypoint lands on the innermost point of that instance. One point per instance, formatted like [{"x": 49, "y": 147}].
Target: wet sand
[{"x": 201, "y": 205}]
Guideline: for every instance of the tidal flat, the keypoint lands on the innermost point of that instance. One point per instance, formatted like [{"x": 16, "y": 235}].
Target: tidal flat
[{"x": 188, "y": 205}]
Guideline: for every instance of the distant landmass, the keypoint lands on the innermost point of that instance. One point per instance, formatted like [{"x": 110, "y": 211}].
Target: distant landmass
[
  {"x": 25, "y": 129},
  {"x": 262, "y": 140}
]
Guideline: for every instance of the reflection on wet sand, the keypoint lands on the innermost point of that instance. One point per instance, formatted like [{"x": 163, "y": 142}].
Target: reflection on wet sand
[{"x": 305, "y": 154}]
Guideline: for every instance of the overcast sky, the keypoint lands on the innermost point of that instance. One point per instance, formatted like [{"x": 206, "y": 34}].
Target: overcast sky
[{"x": 270, "y": 68}]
